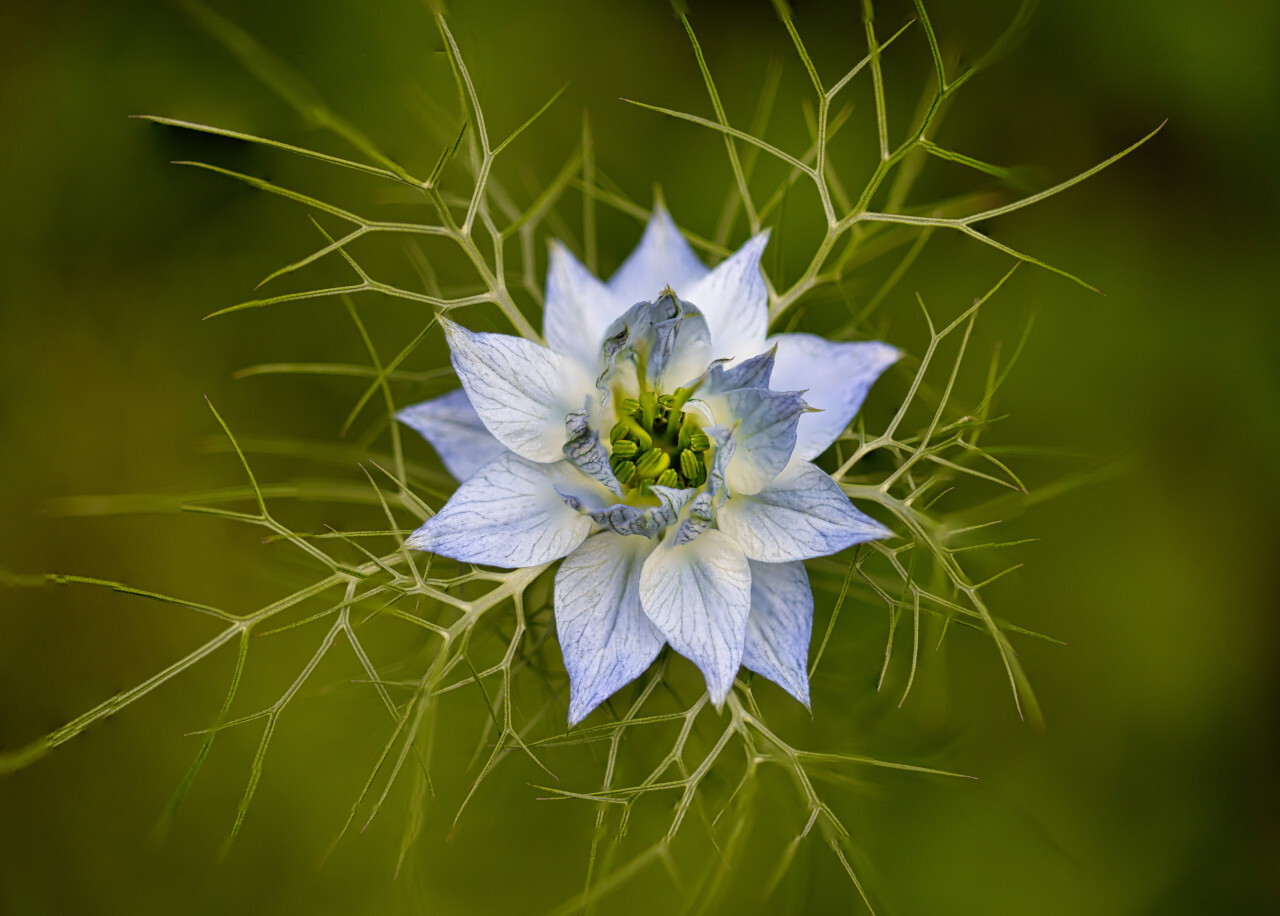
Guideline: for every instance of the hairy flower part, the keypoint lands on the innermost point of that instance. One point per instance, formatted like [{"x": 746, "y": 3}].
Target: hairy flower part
[{"x": 661, "y": 444}]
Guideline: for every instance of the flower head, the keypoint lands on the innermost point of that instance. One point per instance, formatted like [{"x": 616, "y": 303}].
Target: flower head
[{"x": 661, "y": 443}]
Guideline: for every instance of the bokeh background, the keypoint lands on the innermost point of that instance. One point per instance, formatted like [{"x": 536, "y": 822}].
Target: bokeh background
[{"x": 1152, "y": 789}]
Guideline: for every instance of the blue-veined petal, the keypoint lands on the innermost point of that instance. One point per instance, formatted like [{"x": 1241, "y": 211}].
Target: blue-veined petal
[
  {"x": 780, "y": 625},
  {"x": 751, "y": 373},
  {"x": 764, "y": 434},
  {"x": 669, "y": 335},
  {"x": 686, "y": 350},
  {"x": 663, "y": 258},
  {"x": 649, "y": 521},
  {"x": 697, "y": 519},
  {"x": 835, "y": 377},
  {"x": 507, "y": 514},
  {"x": 803, "y": 513},
  {"x": 716, "y": 474},
  {"x": 578, "y": 308},
  {"x": 454, "y": 430},
  {"x": 699, "y": 595},
  {"x": 736, "y": 302},
  {"x": 606, "y": 638},
  {"x": 585, "y": 451},
  {"x": 521, "y": 391}
]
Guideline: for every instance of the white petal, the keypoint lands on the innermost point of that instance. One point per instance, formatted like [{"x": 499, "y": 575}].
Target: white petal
[
  {"x": 454, "y": 430},
  {"x": 803, "y": 513},
  {"x": 698, "y": 595},
  {"x": 736, "y": 302},
  {"x": 521, "y": 391},
  {"x": 780, "y": 625},
  {"x": 765, "y": 435},
  {"x": 578, "y": 309},
  {"x": 606, "y": 639},
  {"x": 835, "y": 377},
  {"x": 663, "y": 258},
  {"x": 506, "y": 514}
]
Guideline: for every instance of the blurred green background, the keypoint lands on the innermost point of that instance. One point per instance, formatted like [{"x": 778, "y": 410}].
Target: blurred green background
[{"x": 1153, "y": 788}]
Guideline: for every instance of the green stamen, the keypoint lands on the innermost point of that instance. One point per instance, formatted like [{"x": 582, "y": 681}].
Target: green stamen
[
  {"x": 625, "y": 471},
  {"x": 668, "y": 478},
  {"x": 690, "y": 465},
  {"x": 652, "y": 463},
  {"x": 656, "y": 443}
]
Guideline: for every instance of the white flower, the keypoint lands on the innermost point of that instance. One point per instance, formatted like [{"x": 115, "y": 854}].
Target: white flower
[{"x": 663, "y": 448}]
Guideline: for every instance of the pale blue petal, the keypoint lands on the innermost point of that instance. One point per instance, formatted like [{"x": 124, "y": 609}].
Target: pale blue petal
[
  {"x": 780, "y": 625},
  {"x": 803, "y": 513},
  {"x": 736, "y": 302},
  {"x": 725, "y": 448},
  {"x": 835, "y": 377},
  {"x": 671, "y": 335},
  {"x": 765, "y": 434},
  {"x": 663, "y": 258},
  {"x": 752, "y": 373},
  {"x": 585, "y": 452},
  {"x": 506, "y": 514},
  {"x": 697, "y": 520},
  {"x": 454, "y": 430},
  {"x": 521, "y": 391},
  {"x": 698, "y": 595},
  {"x": 606, "y": 638},
  {"x": 578, "y": 309},
  {"x": 649, "y": 521}
]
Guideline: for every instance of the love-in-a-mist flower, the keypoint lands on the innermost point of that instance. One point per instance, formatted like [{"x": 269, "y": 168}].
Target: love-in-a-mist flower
[{"x": 662, "y": 444}]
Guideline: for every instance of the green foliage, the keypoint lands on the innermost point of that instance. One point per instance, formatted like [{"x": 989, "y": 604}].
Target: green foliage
[{"x": 670, "y": 766}]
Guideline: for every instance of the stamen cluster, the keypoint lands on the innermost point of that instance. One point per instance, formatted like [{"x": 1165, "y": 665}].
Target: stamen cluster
[{"x": 657, "y": 442}]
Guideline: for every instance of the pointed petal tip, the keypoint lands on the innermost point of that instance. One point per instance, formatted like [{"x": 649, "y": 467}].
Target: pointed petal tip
[
  {"x": 876, "y": 531},
  {"x": 800, "y": 691},
  {"x": 422, "y": 539},
  {"x": 887, "y": 354},
  {"x": 559, "y": 254},
  {"x": 720, "y": 692},
  {"x": 662, "y": 257},
  {"x": 752, "y": 250},
  {"x": 577, "y": 713},
  {"x": 660, "y": 221}
]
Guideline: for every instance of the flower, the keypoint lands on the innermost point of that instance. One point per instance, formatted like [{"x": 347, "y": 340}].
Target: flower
[{"x": 664, "y": 450}]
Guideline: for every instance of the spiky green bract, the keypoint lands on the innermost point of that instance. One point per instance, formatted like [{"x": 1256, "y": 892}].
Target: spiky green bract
[{"x": 669, "y": 766}]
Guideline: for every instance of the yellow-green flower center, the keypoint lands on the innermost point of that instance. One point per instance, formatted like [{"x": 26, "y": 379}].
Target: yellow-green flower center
[{"x": 657, "y": 442}]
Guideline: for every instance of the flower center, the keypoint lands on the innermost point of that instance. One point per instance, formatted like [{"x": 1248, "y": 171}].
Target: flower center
[{"x": 658, "y": 443}]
